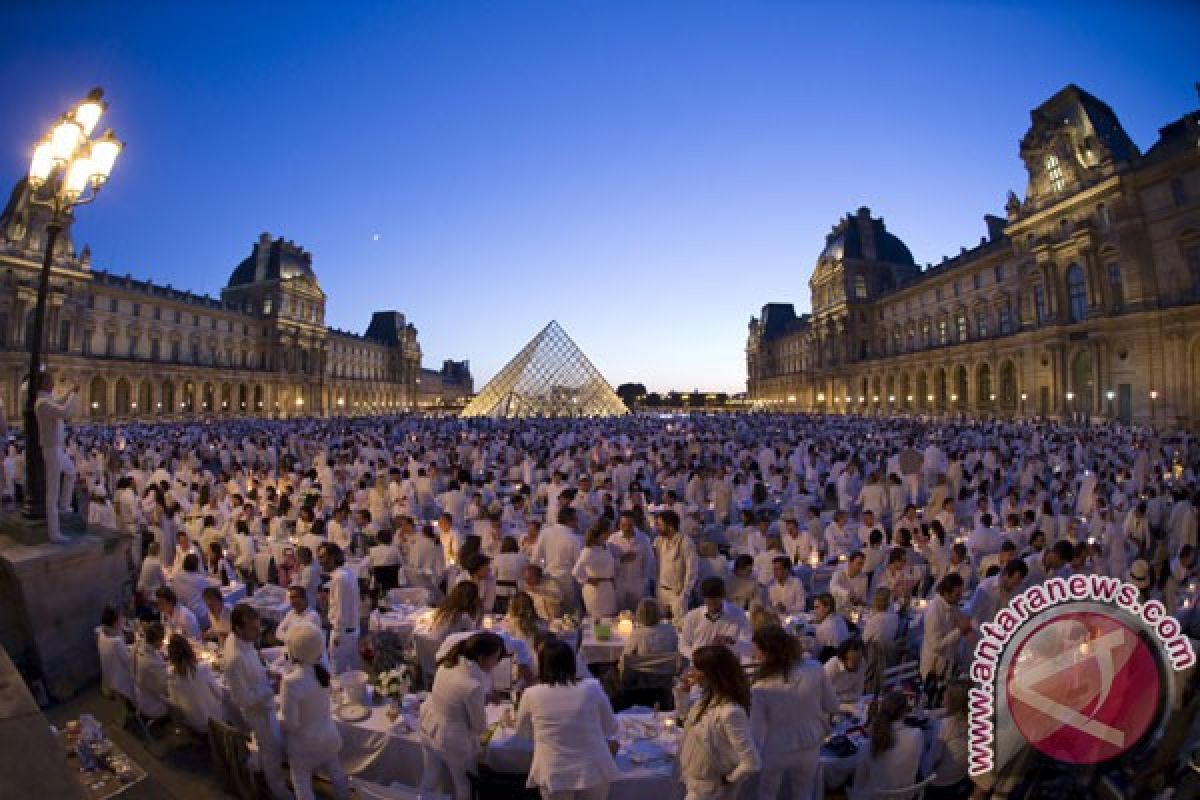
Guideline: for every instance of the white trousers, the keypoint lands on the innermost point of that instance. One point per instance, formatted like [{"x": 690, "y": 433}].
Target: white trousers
[
  {"x": 302, "y": 767},
  {"x": 343, "y": 651},
  {"x": 673, "y": 600},
  {"x": 60, "y": 483},
  {"x": 913, "y": 484},
  {"x": 629, "y": 594},
  {"x": 800, "y": 771},
  {"x": 445, "y": 772},
  {"x": 265, "y": 726},
  {"x": 599, "y": 792}
]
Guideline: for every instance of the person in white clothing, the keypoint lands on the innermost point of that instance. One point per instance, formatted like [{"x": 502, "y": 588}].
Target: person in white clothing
[
  {"x": 298, "y": 613},
  {"x": 894, "y": 754},
  {"x": 191, "y": 686},
  {"x": 849, "y": 584},
  {"x": 678, "y": 565},
  {"x": 343, "y": 608},
  {"x": 58, "y": 467},
  {"x": 305, "y": 718},
  {"x": 792, "y": 701},
  {"x": 572, "y": 727},
  {"x": 635, "y": 566},
  {"x": 252, "y": 695},
  {"x": 176, "y": 617},
  {"x": 831, "y": 626},
  {"x": 716, "y": 621},
  {"x": 785, "y": 592},
  {"x": 718, "y": 749},
  {"x": 150, "y": 673},
  {"x": 116, "y": 663},
  {"x": 151, "y": 576},
  {"x": 454, "y": 715},
  {"x": 595, "y": 570},
  {"x": 557, "y": 551},
  {"x": 847, "y": 671},
  {"x": 945, "y": 626}
]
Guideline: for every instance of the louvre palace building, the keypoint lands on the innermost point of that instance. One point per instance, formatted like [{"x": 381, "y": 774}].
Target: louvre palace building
[
  {"x": 1083, "y": 300},
  {"x": 144, "y": 351}
]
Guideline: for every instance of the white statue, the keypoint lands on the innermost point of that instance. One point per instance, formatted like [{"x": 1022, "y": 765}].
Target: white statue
[{"x": 59, "y": 469}]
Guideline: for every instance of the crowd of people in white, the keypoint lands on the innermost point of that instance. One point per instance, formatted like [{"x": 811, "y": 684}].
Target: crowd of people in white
[{"x": 787, "y": 561}]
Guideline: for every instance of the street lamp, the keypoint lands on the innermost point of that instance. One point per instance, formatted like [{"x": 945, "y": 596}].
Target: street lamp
[
  {"x": 1153, "y": 397},
  {"x": 1109, "y": 395},
  {"x": 67, "y": 170}
]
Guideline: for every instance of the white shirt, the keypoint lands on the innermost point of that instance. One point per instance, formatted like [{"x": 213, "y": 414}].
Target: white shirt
[
  {"x": 557, "y": 549},
  {"x": 305, "y": 718},
  {"x": 182, "y": 621},
  {"x": 116, "y": 667},
  {"x": 942, "y": 636},
  {"x": 832, "y": 631},
  {"x": 343, "y": 601},
  {"x": 150, "y": 680},
  {"x": 793, "y": 714},
  {"x": 698, "y": 629},
  {"x": 848, "y": 686},
  {"x": 788, "y": 595},
  {"x": 454, "y": 714},
  {"x": 151, "y": 576},
  {"x": 198, "y": 696},
  {"x": 246, "y": 678},
  {"x": 891, "y": 770},
  {"x": 291, "y": 618},
  {"x": 570, "y": 725},
  {"x": 847, "y": 590},
  {"x": 640, "y": 571}
]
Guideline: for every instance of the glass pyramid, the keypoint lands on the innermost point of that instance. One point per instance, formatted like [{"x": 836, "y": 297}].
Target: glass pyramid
[{"x": 550, "y": 377}]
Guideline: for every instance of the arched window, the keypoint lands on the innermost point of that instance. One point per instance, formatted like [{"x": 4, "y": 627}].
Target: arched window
[
  {"x": 1115, "y": 286},
  {"x": 1076, "y": 293}
]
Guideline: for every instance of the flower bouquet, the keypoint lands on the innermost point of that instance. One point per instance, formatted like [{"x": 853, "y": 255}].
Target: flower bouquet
[{"x": 395, "y": 683}]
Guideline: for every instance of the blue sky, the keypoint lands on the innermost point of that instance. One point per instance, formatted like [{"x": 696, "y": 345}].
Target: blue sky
[{"x": 647, "y": 173}]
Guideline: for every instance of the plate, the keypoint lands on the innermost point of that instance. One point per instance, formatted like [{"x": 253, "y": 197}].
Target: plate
[{"x": 352, "y": 712}]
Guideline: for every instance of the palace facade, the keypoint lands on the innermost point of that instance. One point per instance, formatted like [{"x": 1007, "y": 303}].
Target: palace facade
[
  {"x": 1084, "y": 299},
  {"x": 144, "y": 351}
]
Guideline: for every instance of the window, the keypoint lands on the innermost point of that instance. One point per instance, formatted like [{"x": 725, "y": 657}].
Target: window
[
  {"x": 1102, "y": 219},
  {"x": 133, "y": 346},
  {"x": 91, "y": 301},
  {"x": 1114, "y": 286},
  {"x": 962, "y": 328},
  {"x": 943, "y": 331},
  {"x": 175, "y": 351},
  {"x": 1054, "y": 171},
  {"x": 214, "y": 323},
  {"x": 113, "y": 305},
  {"x": 86, "y": 343},
  {"x": 1039, "y": 303},
  {"x": 110, "y": 345},
  {"x": 957, "y": 288},
  {"x": 195, "y": 320},
  {"x": 1194, "y": 268},
  {"x": 137, "y": 309},
  {"x": 860, "y": 288},
  {"x": 1076, "y": 293},
  {"x": 157, "y": 313},
  {"x": 266, "y": 306},
  {"x": 926, "y": 334},
  {"x": 977, "y": 280},
  {"x": 1179, "y": 192},
  {"x": 999, "y": 273},
  {"x": 64, "y": 335},
  {"x": 938, "y": 294},
  {"x": 155, "y": 349},
  {"x": 981, "y": 323},
  {"x": 195, "y": 354}
]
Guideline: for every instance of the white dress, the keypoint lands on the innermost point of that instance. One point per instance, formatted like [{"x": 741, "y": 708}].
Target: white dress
[
  {"x": 569, "y": 725},
  {"x": 597, "y": 564}
]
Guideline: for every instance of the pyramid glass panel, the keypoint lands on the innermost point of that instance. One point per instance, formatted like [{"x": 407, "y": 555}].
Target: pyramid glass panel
[{"x": 550, "y": 377}]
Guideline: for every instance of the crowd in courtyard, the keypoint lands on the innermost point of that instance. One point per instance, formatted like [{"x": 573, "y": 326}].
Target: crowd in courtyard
[{"x": 785, "y": 563}]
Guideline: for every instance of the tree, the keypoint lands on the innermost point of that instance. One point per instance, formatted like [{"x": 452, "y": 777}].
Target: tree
[{"x": 631, "y": 394}]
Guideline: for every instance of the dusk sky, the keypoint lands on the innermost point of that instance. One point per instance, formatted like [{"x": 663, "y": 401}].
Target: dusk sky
[{"x": 647, "y": 173}]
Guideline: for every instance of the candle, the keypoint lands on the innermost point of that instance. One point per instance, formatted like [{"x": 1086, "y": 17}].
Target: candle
[
  {"x": 814, "y": 559},
  {"x": 625, "y": 627},
  {"x": 488, "y": 622}
]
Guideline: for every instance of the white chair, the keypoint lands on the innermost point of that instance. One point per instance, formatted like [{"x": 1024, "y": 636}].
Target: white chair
[
  {"x": 410, "y": 596},
  {"x": 375, "y": 791},
  {"x": 914, "y": 792},
  {"x": 909, "y": 670}
]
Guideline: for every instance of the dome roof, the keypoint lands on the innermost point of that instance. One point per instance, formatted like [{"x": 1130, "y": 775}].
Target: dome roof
[
  {"x": 859, "y": 236},
  {"x": 273, "y": 260}
]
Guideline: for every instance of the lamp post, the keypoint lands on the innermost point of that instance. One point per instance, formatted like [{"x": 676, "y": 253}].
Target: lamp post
[
  {"x": 1153, "y": 397},
  {"x": 1071, "y": 406},
  {"x": 1109, "y": 395},
  {"x": 67, "y": 170}
]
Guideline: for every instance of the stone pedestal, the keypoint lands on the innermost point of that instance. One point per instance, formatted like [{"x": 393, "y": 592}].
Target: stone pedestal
[
  {"x": 32, "y": 761},
  {"x": 51, "y": 596}
]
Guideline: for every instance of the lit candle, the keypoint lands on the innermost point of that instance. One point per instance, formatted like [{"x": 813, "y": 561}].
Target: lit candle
[
  {"x": 814, "y": 559},
  {"x": 625, "y": 627},
  {"x": 488, "y": 622}
]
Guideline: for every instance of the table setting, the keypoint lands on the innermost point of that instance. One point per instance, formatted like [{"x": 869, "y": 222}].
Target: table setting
[{"x": 104, "y": 769}]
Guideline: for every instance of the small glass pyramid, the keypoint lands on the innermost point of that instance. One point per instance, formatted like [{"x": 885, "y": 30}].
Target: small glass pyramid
[{"x": 550, "y": 377}]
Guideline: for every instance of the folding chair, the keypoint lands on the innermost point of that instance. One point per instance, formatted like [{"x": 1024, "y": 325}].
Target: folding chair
[{"x": 914, "y": 792}]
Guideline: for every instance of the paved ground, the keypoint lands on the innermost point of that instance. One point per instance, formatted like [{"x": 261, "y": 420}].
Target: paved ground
[{"x": 184, "y": 774}]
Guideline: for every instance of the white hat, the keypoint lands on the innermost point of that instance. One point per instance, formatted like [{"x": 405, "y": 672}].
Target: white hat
[{"x": 305, "y": 644}]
